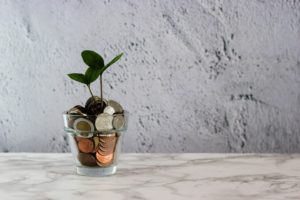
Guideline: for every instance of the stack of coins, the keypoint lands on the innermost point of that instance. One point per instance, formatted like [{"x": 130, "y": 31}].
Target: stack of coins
[
  {"x": 112, "y": 117},
  {"x": 98, "y": 150},
  {"x": 86, "y": 147},
  {"x": 93, "y": 116},
  {"x": 105, "y": 150},
  {"x": 95, "y": 127}
]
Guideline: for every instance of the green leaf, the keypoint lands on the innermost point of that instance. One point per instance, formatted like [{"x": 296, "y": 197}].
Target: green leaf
[
  {"x": 92, "y": 59},
  {"x": 111, "y": 62},
  {"x": 92, "y": 74},
  {"x": 78, "y": 77}
]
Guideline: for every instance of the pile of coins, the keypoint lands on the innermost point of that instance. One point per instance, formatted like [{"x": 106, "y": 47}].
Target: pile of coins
[
  {"x": 96, "y": 126},
  {"x": 98, "y": 150}
]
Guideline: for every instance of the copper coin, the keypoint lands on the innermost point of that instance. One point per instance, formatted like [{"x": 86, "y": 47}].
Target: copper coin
[
  {"x": 85, "y": 145},
  {"x": 86, "y": 159},
  {"x": 101, "y": 149},
  {"x": 78, "y": 138},
  {"x": 105, "y": 149},
  {"x": 108, "y": 151},
  {"x": 107, "y": 145},
  {"x": 106, "y": 139},
  {"x": 104, "y": 160}
]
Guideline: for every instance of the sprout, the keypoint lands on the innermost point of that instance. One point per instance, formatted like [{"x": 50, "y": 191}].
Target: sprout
[{"x": 96, "y": 68}]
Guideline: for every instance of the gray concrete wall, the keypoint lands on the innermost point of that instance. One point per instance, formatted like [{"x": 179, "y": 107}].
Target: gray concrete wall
[{"x": 197, "y": 76}]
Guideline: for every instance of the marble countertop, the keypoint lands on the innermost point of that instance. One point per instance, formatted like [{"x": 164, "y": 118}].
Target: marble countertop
[{"x": 153, "y": 176}]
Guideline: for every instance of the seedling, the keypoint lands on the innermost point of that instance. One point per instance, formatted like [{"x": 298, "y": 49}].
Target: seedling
[{"x": 96, "y": 68}]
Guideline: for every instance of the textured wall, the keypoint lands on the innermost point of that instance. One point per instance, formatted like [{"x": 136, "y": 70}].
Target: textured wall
[{"x": 197, "y": 76}]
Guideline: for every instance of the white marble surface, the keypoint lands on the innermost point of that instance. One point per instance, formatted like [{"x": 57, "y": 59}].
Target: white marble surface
[{"x": 153, "y": 176}]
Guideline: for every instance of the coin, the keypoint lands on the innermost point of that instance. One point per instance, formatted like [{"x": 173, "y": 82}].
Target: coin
[
  {"x": 91, "y": 100},
  {"x": 96, "y": 142},
  {"x": 118, "y": 122},
  {"x": 117, "y": 107},
  {"x": 107, "y": 140},
  {"x": 81, "y": 108},
  {"x": 104, "y": 122},
  {"x": 110, "y": 135},
  {"x": 94, "y": 105},
  {"x": 78, "y": 138},
  {"x": 106, "y": 145},
  {"x": 75, "y": 111},
  {"x": 86, "y": 159},
  {"x": 83, "y": 125},
  {"x": 101, "y": 149},
  {"x": 73, "y": 114},
  {"x": 109, "y": 110},
  {"x": 85, "y": 145},
  {"x": 105, "y": 151},
  {"x": 104, "y": 160}
]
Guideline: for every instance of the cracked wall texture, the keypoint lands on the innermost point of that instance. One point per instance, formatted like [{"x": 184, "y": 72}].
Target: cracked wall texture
[{"x": 197, "y": 76}]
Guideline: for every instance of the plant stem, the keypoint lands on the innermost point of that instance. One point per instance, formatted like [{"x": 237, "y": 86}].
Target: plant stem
[
  {"x": 91, "y": 92},
  {"x": 101, "y": 91}
]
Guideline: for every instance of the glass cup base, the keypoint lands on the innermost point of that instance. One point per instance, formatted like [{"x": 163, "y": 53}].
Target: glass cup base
[{"x": 96, "y": 171}]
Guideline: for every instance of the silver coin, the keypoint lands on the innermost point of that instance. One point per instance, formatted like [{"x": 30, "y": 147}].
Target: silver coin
[
  {"x": 83, "y": 126},
  {"x": 117, "y": 107},
  {"x": 109, "y": 110},
  {"x": 73, "y": 114},
  {"x": 118, "y": 122},
  {"x": 81, "y": 108},
  {"x": 104, "y": 122}
]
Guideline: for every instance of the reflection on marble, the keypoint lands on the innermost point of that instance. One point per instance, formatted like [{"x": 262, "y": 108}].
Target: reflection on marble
[{"x": 153, "y": 176}]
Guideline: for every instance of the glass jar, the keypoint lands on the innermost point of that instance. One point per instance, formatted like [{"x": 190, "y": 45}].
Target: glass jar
[{"x": 95, "y": 152}]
